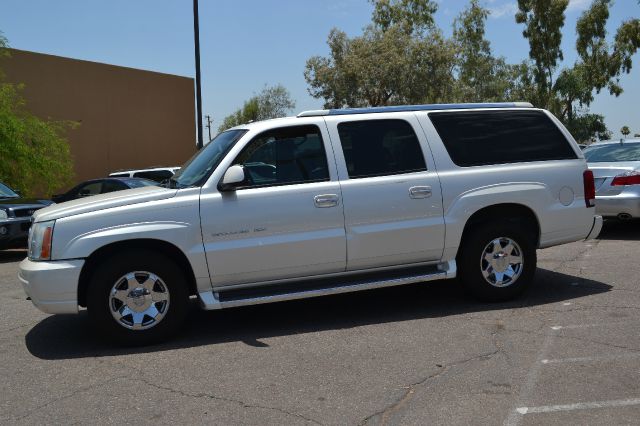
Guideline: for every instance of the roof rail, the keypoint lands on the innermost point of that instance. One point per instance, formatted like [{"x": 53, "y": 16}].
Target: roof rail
[{"x": 401, "y": 108}]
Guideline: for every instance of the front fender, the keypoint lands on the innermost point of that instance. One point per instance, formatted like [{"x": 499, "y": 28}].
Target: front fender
[
  {"x": 82, "y": 245},
  {"x": 175, "y": 221}
]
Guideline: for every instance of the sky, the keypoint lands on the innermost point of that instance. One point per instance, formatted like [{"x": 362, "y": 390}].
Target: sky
[{"x": 247, "y": 44}]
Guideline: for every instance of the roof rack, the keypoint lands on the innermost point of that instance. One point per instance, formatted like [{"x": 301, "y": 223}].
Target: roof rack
[{"x": 402, "y": 108}]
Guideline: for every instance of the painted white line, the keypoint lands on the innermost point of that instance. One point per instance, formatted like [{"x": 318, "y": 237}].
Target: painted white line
[
  {"x": 578, "y": 406},
  {"x": 566, "y": 304},
  {"x": 599, "y": 324},
  {"x": 591, "y": 358},
  {"x": 527, "y": 389}
]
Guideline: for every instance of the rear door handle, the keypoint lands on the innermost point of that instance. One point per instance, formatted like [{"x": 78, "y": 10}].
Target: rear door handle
[
  {"x": 420, "y": 192},
  {"x": 326, "y": 200}
]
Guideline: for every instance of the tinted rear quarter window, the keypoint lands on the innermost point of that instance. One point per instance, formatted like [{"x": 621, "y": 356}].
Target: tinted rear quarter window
[
  {"x": 477, "y": 138},
  {"x": 380, "y": 147}
]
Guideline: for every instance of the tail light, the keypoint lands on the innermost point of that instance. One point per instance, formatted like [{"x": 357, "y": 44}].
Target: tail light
[
  {"x": 589, "y": 188},
  {"x": 628, "y": 178}
]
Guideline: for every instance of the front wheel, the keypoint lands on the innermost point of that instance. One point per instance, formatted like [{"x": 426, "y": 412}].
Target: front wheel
[
  {"x": 497, "y": 261},
  {"x": 138, "y": 297}
]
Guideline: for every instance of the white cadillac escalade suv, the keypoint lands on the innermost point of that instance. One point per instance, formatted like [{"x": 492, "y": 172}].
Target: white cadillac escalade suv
[{"x": 327, "y": 202}]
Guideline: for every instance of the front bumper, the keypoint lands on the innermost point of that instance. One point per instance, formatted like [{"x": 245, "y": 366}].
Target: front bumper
[
  {"x": 52, "y": 286},
  {"x": 596, "y": 228},
  {"x": 15, "y": 233}
]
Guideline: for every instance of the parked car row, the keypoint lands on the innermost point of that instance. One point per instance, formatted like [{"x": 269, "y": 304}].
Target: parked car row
[{"x": 16, "y": 211}]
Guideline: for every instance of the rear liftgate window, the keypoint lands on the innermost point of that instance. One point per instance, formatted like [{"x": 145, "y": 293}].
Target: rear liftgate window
[{"x": 478, "y": 138}]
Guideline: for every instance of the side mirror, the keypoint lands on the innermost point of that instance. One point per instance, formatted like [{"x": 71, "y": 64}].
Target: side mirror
[{"x": 233, "y": 177}]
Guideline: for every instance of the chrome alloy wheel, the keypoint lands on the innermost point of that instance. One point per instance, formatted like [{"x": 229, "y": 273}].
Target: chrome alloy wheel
[
  {"x": 501, "y": 262},
  {"x": 139, "y": 300}
]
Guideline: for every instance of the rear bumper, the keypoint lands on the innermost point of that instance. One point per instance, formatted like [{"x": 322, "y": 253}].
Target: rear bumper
[
  {"x": 52, "y": 286},
  {"x": 596, "y": 228},
  {"x": 624, "y": 203}
]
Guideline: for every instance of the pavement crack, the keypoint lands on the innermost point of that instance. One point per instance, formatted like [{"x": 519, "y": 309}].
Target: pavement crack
[
  {"x": 410, "y": 390},
  {"x": 17, "y": 327},
  {"x": 67, "y": 396},
  {"x": 224, "y": 399}
]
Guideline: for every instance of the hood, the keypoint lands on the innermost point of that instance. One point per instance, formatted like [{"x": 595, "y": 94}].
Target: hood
[{"x": 104, "y": 201}]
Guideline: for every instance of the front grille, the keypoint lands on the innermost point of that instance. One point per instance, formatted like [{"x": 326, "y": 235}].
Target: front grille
[{"x": 25, "y": 212}]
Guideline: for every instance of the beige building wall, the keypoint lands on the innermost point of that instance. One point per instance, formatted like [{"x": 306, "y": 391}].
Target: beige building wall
[{"x": 129, "y": 118}]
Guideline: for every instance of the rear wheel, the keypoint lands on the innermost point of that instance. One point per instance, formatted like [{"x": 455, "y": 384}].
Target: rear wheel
[
  {"x": 138, "y": 297},
  {"x": 497, "y": 260}
]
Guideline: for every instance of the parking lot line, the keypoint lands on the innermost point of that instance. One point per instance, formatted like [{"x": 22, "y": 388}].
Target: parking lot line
[
  {"x": 578, "y": 406},
  {"x": 599, "y": 324},
  {"x": 514, "y": 417},
  {"x": 592, "y": 358}
]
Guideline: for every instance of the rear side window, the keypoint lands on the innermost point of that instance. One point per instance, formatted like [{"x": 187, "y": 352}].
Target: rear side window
[
  {"x": 380, "y": 147},
  {"x": 477, "y": 138}
]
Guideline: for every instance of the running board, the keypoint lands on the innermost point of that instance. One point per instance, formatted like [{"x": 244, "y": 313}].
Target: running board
[{"x": 324, "y": 286}]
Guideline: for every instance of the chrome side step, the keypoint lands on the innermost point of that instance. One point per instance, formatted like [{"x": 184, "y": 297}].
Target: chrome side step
[{"x": 314, "y": 288}]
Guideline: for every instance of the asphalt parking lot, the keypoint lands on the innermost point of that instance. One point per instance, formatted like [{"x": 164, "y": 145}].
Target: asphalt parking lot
[{"x": 568, "y": 352}]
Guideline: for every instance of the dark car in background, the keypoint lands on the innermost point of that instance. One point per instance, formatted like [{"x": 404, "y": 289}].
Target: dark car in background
[
  {"x": 101, "y": 186},
  {"x": 15, "y": 217}
]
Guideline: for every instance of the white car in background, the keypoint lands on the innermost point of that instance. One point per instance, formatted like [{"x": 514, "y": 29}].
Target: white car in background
[
  {"x": 158, "y": 174},
  {"x": 616, "y": 169}
]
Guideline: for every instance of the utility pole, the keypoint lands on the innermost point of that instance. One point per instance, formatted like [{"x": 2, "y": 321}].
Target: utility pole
[
  {"x": 196, "y": 36},
  {"x": 208, "y": 117}
]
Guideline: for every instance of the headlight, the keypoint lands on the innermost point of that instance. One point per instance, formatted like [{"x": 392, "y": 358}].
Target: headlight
[
  {"x": 40, "y": 238},
  {"x": 3, "y": 214}
]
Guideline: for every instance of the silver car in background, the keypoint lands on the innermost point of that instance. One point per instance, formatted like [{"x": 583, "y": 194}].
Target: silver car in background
[{"x": 616, "y": 168}]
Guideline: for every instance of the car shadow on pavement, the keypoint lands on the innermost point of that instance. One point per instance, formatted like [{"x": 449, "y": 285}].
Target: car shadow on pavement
[
  {"x": 627, "y": 230},
  {"x": 10, "y": 256},
  {"x": 71, "y": 336}
]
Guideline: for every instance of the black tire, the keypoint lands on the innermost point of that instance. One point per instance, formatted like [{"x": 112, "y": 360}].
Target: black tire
[
  {"x": 472, "y": 251},
  {"x": 107, "y": 274}
]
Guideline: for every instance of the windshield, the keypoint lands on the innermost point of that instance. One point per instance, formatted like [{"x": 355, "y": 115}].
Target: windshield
[
  {"x": 613, "y": 152},
  {"x": 6, "y": 192},
  {"x": 200, "y": 166}
]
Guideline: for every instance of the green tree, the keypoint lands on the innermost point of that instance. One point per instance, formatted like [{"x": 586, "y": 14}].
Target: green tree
[
  {"x": 481, "y": 77},
  {"x": 399, "y": 58},
  {"x": 625, "y": 131},
  {"x": 600, "y": 62},
  {"x": 543, "y": 20},
  {"x": 271, "y": 102},
  {"x": 412, "y": 16},
  {"x": 34, "y": 154}
]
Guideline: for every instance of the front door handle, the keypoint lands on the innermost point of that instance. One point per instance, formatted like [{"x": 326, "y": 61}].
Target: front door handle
[
  {"x": 420, "y": 192},
  {"x": 326, "y": 200}
]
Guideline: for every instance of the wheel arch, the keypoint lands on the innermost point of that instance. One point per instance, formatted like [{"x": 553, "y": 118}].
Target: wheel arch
[
  {"x": 109, "y": 250},
  {"x": 519, "y": 213}
]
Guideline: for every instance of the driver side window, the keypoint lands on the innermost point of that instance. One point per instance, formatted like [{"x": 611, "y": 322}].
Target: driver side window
[{"x": 284, "y": 156}]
